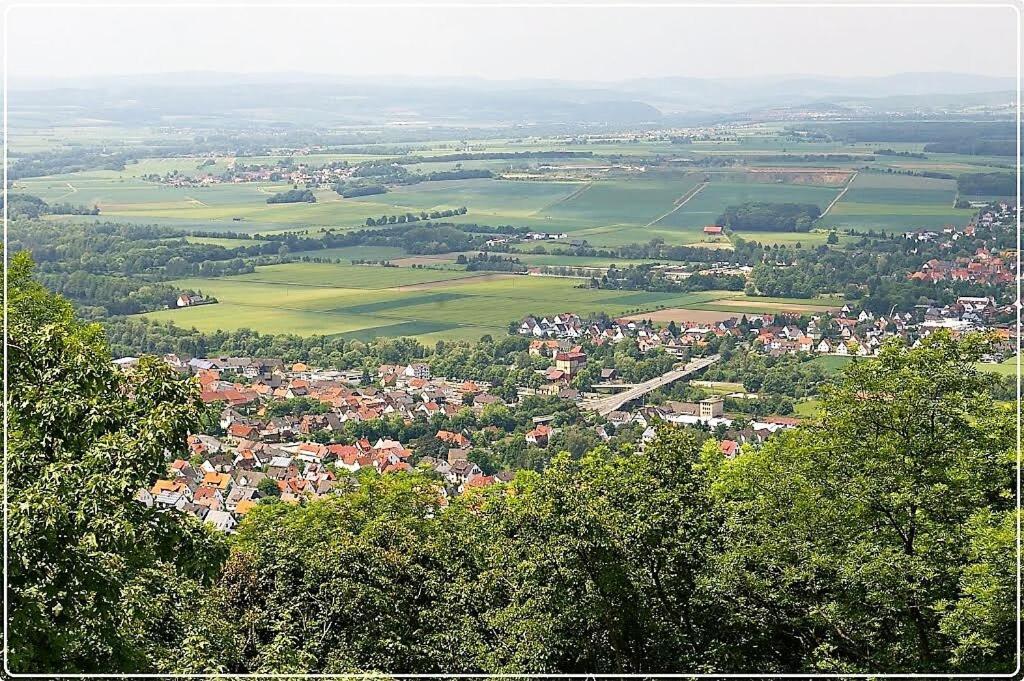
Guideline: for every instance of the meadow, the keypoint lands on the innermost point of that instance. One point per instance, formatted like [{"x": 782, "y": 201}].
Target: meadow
[{"x": 366, "y": 301}]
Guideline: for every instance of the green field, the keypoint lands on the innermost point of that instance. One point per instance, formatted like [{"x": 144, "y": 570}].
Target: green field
[
  {"x": 314, "y": 298},
  {"x": 897, "y": 203},
  {"x": 807, "y": 409},
  {"x": 606, "y": 209},
  {"x": 739, "y": 303},
  {"x": 616, "y": 197},
  {"x": 831, "y": 363},
  {"x": 1007, "y": 367}
]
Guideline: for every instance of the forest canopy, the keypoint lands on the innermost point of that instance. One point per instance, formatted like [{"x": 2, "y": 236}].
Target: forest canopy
[{"x": 770, "y": 217}]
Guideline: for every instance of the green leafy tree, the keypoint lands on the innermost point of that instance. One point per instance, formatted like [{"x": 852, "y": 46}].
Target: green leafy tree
[
  {"x": 98, "y": 581},
  {"x": 848, "y": 539}
]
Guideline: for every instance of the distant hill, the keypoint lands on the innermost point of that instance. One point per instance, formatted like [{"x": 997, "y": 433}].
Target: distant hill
[{"x": 298, "y": 99}]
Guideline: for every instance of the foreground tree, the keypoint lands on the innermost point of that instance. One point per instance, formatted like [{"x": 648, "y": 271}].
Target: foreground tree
[
  {"x": 848, "y": 540},
  {"x": 97, "y": 581}
]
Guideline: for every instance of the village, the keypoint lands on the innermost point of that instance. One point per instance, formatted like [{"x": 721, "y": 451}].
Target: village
[{"x": 297, "y": 432}]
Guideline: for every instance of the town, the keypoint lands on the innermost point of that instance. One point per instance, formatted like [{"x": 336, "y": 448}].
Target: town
[{"x": 295, "y": 432}]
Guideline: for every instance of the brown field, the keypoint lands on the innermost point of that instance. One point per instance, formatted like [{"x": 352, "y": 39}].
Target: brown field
[{"x": 812, "y": 176}]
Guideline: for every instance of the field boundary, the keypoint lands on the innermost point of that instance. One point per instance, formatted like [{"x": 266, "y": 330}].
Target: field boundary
[
  {"x": 840, "y": 195},
  {"x": 569, "y": 197},
  {"x": 680, "y": 202}
]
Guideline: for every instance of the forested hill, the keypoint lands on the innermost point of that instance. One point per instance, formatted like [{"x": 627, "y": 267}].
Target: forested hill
[{"x": 880, "y": 539}]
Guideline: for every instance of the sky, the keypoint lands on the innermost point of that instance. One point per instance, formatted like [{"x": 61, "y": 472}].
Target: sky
[{"x": 583, "y": 43}]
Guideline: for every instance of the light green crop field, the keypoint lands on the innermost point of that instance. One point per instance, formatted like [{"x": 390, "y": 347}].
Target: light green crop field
[
  {"x": 831, "y": 363},
  {"x": 706, "y": 206},
  {"x": 347, "y": 276},
  {"x": 362, "y": 301},
  {"x": 896, "y": 203},
  {"x": 624, "y": 201},
  {"x": 744, "y": 304},
  {"x": 226, "y": 242}
]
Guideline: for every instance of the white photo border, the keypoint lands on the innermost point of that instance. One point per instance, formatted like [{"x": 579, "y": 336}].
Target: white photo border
[{"x": 1016, "y": 5}]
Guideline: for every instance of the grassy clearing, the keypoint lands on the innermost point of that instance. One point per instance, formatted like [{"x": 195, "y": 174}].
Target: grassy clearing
[
  {"x": 1007, "y": 367},
  {"x": 831, "y": 363},
  {"x": 807, "y": 409}
]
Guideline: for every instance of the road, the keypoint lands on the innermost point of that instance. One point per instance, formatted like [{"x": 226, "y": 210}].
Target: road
[{"x": 607, "y": 405}]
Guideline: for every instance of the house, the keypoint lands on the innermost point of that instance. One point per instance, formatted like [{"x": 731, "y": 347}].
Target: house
[
  {"x": 457, "y": 440},
  {"x": 729, "y": 448},
  {"x": 539, "y": 436},
  {"x": 187, "y": 299},
  {"x": 462, "y": 471},
  {"x": 171, "y": 494},
  {"x": 713, "y": 229},
  {"x": 242, "y": 431},
  {"x": 219, "y": 481},
  {"x": 418, "y": 370},
  {"x": 222, "y": 520},
  {"x": 619, "y": 418}
]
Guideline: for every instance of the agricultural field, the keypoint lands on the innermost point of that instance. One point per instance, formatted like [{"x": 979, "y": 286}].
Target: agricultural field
[
  {"x": 614, "y": 198},
  {"x": 358, "y": 301},
  {"x": 897, "y": 203},
  {"x": 607, "y": 208},
  {"x": 831, "y": 363},
  {"x": 739, "y": 303}
]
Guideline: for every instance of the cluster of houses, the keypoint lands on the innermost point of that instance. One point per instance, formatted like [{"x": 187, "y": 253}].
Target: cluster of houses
[
  {"x": 403, "y": 391},
  {"x": 325, "y": 176},
  {"x": 225, "y": 477},
  {"x": 707, "y": 413},
  {"x": 572, "y": 327},
  {"x": 984, "y": 267},
  {"x": 996, "y": 215},
  {"x": 264, "y": 450},
  {"x": 844, "y": 333}
]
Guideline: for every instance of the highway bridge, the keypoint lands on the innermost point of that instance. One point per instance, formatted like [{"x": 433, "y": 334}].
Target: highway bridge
[{"x": 606, "y": 405}]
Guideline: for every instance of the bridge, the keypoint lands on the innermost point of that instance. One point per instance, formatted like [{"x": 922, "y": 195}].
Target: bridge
[
  {"x": 606, "y": 405},
  {"x": 613, "y": 386}
]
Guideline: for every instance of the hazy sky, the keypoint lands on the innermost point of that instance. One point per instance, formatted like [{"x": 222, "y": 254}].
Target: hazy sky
[{"x": 574, "y": 43}]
